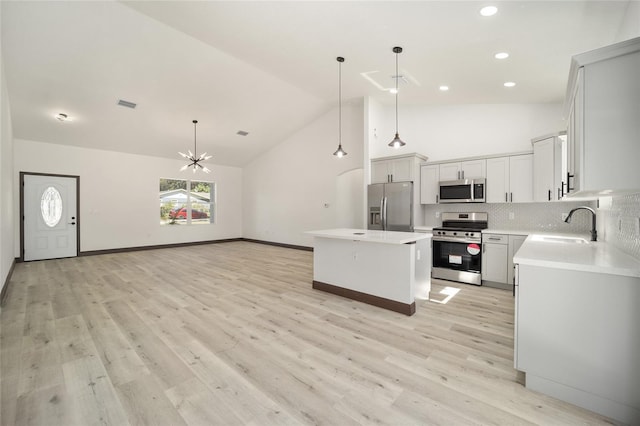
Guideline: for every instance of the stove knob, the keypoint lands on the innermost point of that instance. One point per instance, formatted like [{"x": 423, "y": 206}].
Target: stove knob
[
  {"x": 455, "y": 233},
  {"x": 471, "y": 234},
  {"x": 466, "y": 234}
]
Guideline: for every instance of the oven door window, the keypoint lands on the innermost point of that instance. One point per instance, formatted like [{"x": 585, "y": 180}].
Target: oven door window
[{"x": 457, "y": 255}]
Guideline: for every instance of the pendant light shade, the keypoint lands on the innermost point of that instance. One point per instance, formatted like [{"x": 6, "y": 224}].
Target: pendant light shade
[
  {"x": 193, "y": 156},
  {"x": 397, "y": 142},
  {"x": 340, "y": 152}
]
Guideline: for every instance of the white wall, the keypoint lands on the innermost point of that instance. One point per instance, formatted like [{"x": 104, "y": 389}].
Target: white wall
[
  {"x": 630, "y": 27},
  {"x": 285, "y": 190},
  {"x": 119, "y": 204},
  {"x": 6, "y": 182},
  {"x": 449, "y": 132}
]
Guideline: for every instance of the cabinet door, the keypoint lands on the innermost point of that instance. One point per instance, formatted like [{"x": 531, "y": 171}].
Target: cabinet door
[
  {"x": 473, "y": 169},
  {"x": 515, "y": 241},
  {"x": 494, "y": 262},
  {"x": 521, "y": 178},
  {"x": 543, "y": 168},
  {"x": 429, "y": 184},
  {"x": 498, "y": 180},
  {"x": 576, "y": 141},
  {"x": 450, "y": 171},
  {"x": 401, "y": 170},
  {"x": 380, "y": 172}
]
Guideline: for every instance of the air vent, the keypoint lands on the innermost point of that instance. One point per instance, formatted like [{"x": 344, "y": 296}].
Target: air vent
[
  {"x": 242, "y": 133},
  {"x": 127, "y": 104}
]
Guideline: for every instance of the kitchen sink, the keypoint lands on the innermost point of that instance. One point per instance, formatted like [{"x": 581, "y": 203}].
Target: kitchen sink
[{"x": 559, "y": 239}]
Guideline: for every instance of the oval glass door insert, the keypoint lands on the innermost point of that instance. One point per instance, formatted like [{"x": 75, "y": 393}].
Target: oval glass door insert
[{"x": 51, "y": 206}]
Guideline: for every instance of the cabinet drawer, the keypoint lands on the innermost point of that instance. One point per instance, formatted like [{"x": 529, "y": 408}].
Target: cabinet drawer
[{"x": 495, "y": 238}]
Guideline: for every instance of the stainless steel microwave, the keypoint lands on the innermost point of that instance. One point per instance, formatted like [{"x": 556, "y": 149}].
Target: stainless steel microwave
[{"x": 463, "y": 191}]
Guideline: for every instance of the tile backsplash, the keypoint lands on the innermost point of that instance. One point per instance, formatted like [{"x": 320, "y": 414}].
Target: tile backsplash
[
  {"x": 621, "y": 222},
  {"x": 528, "y": 217}
]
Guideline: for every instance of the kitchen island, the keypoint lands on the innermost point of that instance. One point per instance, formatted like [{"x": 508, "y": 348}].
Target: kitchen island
[{"x": 382, "y": 268}]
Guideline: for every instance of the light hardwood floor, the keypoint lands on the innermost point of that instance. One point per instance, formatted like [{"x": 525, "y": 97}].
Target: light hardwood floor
[{"x": 234, "y": 334}]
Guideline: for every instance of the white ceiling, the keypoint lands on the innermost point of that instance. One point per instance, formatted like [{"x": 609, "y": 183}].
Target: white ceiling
[{"x": 269, "y": 67}]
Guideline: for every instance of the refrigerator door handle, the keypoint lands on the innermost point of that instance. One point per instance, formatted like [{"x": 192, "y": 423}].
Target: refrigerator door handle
[{"x": 384, "y": 213}]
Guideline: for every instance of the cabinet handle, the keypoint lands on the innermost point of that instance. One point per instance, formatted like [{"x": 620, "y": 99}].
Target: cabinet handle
[
  {"x": 494, "y": 238},
  {"x": 462, "y": 174},
  {"x": 559, "y": 194},
  {"x": 569, "y": 176},
  {"x": 484, "y": 248},
  {"x": 437, "y": 199},
  {"x": 511, "y": 197},
  {"x": 549, "y": 195},
  {"x": 506, "y": 197}
]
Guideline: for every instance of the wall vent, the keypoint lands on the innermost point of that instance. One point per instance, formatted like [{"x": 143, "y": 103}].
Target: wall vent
[{"x": 127, "y": 104}]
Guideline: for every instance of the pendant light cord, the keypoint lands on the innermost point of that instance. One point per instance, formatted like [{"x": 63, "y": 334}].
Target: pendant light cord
[
  {"x": 195, "y": 139},
  {"x": 397, "y": 93},
  {"x": 340, "y": 103}
]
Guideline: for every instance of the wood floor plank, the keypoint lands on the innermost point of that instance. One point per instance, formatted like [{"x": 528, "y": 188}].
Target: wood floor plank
[{"x": 232, "y": 334}]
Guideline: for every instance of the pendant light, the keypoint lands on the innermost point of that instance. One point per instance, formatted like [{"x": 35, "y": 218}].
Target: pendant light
[
  {"x": 193, "y": 156},
  {"x": 340, "y": 152},
  {"x": 397, "y": 142}
]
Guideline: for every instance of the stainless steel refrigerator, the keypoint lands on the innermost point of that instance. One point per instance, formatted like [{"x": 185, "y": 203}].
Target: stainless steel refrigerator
[{"x": 390, "y": 206}]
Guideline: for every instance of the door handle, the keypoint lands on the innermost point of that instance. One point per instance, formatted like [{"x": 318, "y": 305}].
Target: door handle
[{"x": 549, "y": 195}]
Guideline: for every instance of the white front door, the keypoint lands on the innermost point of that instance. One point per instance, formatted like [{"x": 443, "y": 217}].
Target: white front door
[{"x": 50, "y": 217}]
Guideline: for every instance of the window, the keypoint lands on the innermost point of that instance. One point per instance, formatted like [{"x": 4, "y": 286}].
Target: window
[{"x": 186, "y": 202}]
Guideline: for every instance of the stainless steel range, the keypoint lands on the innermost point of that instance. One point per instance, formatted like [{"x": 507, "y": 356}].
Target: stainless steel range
[{"x": 457, "y": 247}]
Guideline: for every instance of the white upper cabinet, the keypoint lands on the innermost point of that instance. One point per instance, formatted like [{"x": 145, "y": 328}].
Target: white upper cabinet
[
  {"x": 521, "y": 178},
  {"x": 603, "y": 105},
  {"x": 463, "y": 170},
  {"x": 396, "y": 169},
  {"x": 497, "y": 180},
  {"x": 429, "y": 184},
  {"x": 510, "y": 179},
  {"x": 547, "y": 175}
]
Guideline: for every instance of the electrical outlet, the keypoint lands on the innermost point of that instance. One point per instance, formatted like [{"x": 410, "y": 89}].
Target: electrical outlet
[
  {"x": 512, "y": 215},
  {"x": 565, "y": 216}
]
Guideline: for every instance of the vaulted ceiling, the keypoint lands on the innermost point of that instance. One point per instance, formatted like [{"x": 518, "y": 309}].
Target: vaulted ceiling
[{"x": 269, "y": 68}]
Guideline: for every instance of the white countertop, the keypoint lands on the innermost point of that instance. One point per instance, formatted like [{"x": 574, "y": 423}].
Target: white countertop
[
  {"x": 423, "y": 228},
  {"x": 599, "y": 257},
  {"x": 388, "y": 237},
  {"x": 507, "y": 231}
]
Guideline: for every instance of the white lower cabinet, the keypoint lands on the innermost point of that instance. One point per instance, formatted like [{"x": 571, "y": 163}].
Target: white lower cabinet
[
  {"x": 495, "y": 250},
  {"x": 497, "y": 259},
  {"x": 577, "y": 338}
]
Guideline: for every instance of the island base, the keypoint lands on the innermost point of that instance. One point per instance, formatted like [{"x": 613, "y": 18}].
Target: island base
[{"x": 392, "y": 305}]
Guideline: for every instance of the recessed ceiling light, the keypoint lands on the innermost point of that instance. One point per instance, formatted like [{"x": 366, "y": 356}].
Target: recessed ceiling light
[
  {"x": 509, "y": 84},
  {"x": 62, "y": 117},
  {"x": 501, "y": 55},
  {"x": 444, "y": 88},
  {"x": 488, "y": 11}
]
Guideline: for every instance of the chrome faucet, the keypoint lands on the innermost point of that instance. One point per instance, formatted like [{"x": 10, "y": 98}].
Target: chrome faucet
[{"x": 594, "y": 233}]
